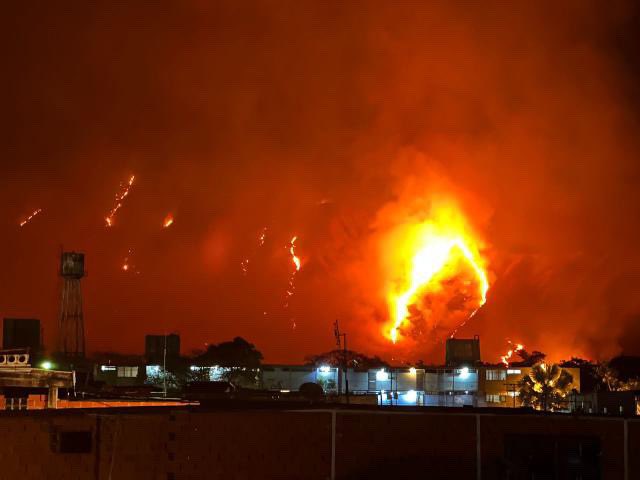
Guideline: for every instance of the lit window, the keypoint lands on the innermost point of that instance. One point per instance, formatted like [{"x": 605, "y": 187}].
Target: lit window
[
  {"x": 153, "y": 370},
  {"x": 128, "y": 372},
  {"x": 411, "y": 396},
  {"x": 217, "y": 373},
  {"x": 491, "y": 398},
  {"x": 496, "y": 375},
  {"x": 514, "y": 371}
]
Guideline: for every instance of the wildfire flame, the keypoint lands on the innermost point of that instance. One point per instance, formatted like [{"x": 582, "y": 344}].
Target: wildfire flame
[
  {"x": 297, "y": 264},
  {"x": 431, "y": 252},
  {"x": 244, "y": 264},
  {"x": 262, "y": 237},
  {"x": 30, "y": 217},
  {"x": 120, "y": 196},
  {"x": 168, "y": 221},
  {"x": 127, "y": 264},
  {"x": 505, "y": 358},
  {"x": 292, "y": 251}
]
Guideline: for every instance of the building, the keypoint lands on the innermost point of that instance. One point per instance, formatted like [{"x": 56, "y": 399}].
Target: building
[
  {"x": 397, "y": 386},
  {"x": 22, "y": 333},
  {"x": 623, "y": 403},
  {"x": 498, "y": 384},
  {"x": 463, "y": 382},
  {"x": 120, "y": 371},
  {"x": 461, "y": 352}
]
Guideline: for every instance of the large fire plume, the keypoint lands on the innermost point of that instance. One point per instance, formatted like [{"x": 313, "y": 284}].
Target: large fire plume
[{"x": 442, "y": 278}]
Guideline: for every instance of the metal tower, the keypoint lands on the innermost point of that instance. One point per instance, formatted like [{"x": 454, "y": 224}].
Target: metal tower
[{"x": 71, "y": 325}]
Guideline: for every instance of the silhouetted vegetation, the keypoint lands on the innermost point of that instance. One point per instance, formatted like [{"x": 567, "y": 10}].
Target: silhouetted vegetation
[
  {"x": 546, "y": 387},
  {"x": 355, "y": 360}
]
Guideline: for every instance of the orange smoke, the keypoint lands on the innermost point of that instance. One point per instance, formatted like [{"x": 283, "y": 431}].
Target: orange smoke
[{"x": 437, "y": 260}]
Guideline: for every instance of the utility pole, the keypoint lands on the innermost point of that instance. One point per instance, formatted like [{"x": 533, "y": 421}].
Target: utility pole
[
  {"x": 511, "y": 387},
  {"x": 164, "y": 366},
  {"x": 345, "y": 365},
  {"x": 453, "y": 385}
]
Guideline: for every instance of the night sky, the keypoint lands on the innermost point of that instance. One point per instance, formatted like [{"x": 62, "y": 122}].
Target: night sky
[{"x": 325, "y": 122}]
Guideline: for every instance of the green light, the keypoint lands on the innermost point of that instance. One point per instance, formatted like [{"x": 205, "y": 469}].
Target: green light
[{"x": 46, "y": 365}]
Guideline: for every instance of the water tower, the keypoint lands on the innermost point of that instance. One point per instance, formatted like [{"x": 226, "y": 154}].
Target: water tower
[{"x": 71, "y": 326}]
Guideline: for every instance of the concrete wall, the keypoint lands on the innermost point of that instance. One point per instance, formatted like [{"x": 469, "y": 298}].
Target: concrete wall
[{"x": 167, "y": 443}]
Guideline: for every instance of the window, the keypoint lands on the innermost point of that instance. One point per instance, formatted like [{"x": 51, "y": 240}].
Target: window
[
  {"x": 496, "y": 375},
  {"x": 514, "y": 371},
  {"x": 128, "y": 372},
  {"x": 491, "y": 398}
]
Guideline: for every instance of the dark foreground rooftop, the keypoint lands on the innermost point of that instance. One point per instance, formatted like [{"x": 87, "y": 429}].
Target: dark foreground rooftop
[{"x": 294, "y": 441}]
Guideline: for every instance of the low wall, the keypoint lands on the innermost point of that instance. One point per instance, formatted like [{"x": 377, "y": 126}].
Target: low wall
[{"x": 192, "y": 443}]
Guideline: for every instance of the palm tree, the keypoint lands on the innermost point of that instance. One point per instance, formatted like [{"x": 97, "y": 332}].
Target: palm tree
[
  {"x": 546, "y": 387},
  {"x": 607, "y": 376}
]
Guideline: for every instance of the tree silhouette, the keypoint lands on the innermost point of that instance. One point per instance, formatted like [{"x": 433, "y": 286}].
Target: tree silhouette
[
  {"x": 238, "y": 359},
  {"x": 546, "y": 387},
  {"x": 530, "y": 359},
  {"x": 355, "y": 360}
]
